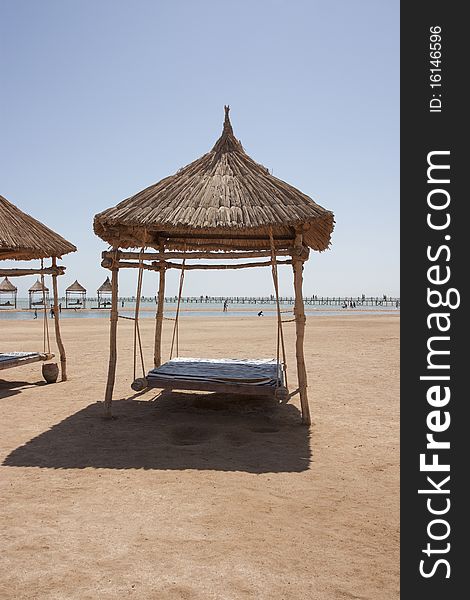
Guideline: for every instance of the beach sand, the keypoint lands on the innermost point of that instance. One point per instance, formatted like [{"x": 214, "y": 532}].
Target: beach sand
[{"x": 195, "y": 497}]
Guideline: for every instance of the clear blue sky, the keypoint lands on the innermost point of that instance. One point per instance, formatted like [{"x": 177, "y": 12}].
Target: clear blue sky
[{"x": 100, "y": 99}]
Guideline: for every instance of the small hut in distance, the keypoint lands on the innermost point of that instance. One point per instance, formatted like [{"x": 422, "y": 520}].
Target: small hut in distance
[
  {"x": 37, "y": 290},
  {"x": 75, "y": 295},
  {"x": 104, "y": 293},
  {"x": 8, "y": 294}
]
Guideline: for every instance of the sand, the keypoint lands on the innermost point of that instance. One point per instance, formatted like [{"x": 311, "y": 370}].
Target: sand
[{"x": 202, "y": 497}]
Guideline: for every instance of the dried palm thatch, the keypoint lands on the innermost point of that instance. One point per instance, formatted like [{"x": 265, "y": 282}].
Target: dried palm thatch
[
  {"x": 38, "y": 287},
  {"x": 7, "y": 286},
  {"x": 223, "y": 200},
  {"x": 105, "y": 287},
  {"x": 25, "y": 238},
  {"x": 76, "y": 287}
]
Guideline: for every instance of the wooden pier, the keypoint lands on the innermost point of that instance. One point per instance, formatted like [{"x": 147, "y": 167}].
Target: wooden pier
[{"x": 320, "y": 301}]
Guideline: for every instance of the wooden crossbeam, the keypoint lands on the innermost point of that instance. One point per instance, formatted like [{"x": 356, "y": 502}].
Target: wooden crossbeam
[
  {"x": 194, "y": 255},
  {"x": 59, "y": 270},
  {"x": 108, "y": 263}
]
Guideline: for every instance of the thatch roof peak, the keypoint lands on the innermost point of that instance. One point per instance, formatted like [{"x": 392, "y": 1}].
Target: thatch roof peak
[
  {"x": 227, "y": 141},
  {"x": 223, "y": 200},
  {"x": 38, "y": 287},
  {"x": 76, "y": 287},
  {"x": 7, "y": 286},
  {"x": 24, "y": 238},
  {"x": 105, "y": 286}
]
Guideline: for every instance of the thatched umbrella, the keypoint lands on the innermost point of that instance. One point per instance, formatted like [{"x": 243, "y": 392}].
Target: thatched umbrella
[
  {"x": 76, "y": 290},
  {"x": 105, "y": 290},
  {"x": 9, "y": 290},
  {"x": 24, "y": 238},
  {"x": 223, "y": 205},
  {"x": 38, "y": 288},
  {"x": 223, "y": 200}
]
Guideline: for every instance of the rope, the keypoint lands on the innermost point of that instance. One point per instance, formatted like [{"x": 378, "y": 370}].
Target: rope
[
  {"x": 137, "y": 337},
  {"x": 175, "y": 328},
  {"x": 45, "y": 326},
  {"x": 280, "y": 333}
]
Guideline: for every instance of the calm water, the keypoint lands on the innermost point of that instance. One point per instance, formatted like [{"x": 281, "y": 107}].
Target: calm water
[{"x": 195, "y": 310}]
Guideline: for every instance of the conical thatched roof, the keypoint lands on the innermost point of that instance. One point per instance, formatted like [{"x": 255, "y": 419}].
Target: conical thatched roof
[
  {"x": 7, "y": 286},
  {"x": 105, "y": 286},
  {"x": 38, "y": 287},
  {"x": 76, "y": 287},
  {"x": 222, "y": 200},
  {"x": 25, "y": 238}
]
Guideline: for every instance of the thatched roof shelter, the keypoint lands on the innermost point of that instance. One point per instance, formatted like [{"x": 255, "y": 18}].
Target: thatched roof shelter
[
  {"x": 10, "y": 291},
  {"x": 223, "y": 206},
  {"x": 75, "y": 296},
  {"x": 105, "y": 287},
  {"x": 24, "y": 238},
  {"x": 223, "y": 200},
  {"x": 7, "y": 286},
  {"x": 76, "y": 287},
  {"x": 38, "y": 287}
]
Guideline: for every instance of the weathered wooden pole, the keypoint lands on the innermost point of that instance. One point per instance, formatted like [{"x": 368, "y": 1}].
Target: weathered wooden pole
[
  {"x": 299, "y": 313},
  {"x": 58, "y": 337},
  {"x": 112, "y": 344},
  {"x": 157, "y": 353}
]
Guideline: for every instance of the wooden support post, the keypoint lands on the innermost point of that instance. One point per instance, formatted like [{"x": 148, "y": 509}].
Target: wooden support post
[
  {"x": 58, "y": 337},
  {"x": 157, "y": 353},
  {"x": 299, "y": 312},
  {"x": 112, "y": 344}
]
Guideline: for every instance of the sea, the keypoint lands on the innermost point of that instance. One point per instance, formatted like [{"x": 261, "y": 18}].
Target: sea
[{"x": 192, "y": 309}]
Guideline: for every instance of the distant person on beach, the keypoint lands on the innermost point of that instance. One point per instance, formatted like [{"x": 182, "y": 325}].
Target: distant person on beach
[
  {"x": 60, "y": 307},
  {"x": 52, "y": 311},
  {"x": 260, "y": 314},
  {"x": 35, "y": 313},
  {"x": 225, "y": 305},
  {"x": 122, "y": 304}
]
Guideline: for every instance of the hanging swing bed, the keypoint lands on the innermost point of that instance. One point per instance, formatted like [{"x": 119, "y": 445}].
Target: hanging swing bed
[
  {"x": 223, "y": 206},
  {"x": 23, "y": 238}
]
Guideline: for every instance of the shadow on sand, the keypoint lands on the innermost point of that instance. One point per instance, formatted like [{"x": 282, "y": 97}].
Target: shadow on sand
[
  {"x": 175, "y": 432},
  {"x": 11, "y": 388}
]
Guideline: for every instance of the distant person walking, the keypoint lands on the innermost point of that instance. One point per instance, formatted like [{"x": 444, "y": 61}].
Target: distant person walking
[
  {"x": 35, "y": 313},
  {"x": 225, "y": 305}
]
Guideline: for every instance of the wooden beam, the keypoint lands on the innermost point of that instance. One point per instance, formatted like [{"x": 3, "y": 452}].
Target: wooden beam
[
  {"x": 24, "y": 360},
  {"x": 57, "y": 270},
  {"x": 299, "y": 312},
  {"x": 58, "y": 337},
  {"x": 204, "y": 386},
  {"x": 195, "y": 255},
  {"x": 108, "y": 264},
  {"x": 172, "y": 236},
  {"x": 112, "y": 345}
]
